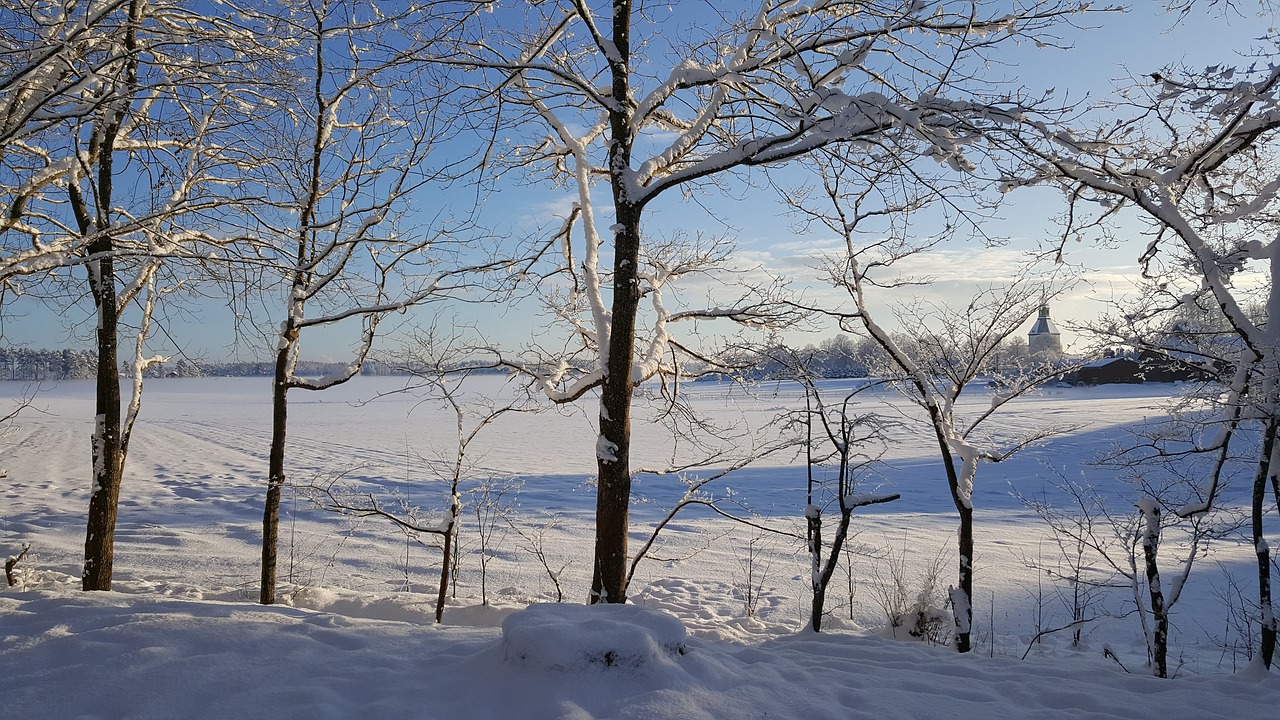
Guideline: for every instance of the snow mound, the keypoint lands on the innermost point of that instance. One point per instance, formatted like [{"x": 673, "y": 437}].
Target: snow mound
[
  {"x": 580, "y": 637},
  {"x": 400, "y": 607}
]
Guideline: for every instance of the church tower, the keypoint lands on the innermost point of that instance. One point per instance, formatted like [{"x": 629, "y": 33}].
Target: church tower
[{"x": 1044, "y": 341}]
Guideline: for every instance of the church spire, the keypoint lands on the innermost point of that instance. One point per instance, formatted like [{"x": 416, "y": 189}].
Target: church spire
[{"x": 1044, "y": 338}]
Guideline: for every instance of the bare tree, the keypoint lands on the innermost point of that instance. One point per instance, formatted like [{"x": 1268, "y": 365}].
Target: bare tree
[
  {"x": 947, "y": 350},
  {"x": 1191, "y": 154},
  {"x": 844, "y": 442},
  {"x": 534, "y": 543},
  {"x": 941, "y": 351},
  {"x": 1123, "y": 546},
  {"x": 440, "y": 365},
  {"x": 746, "y": 90},
  {"x": 345, "y": 141},
  {"x": 115, "y": 141},
  {"x": 842, "y": 430}
]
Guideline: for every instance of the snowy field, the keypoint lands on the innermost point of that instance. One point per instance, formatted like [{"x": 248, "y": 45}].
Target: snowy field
[{"x": 181, "y": 635}]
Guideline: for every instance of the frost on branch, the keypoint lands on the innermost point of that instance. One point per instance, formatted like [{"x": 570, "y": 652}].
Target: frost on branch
[
  {"x": 585, "y": 100},
  {"x": 1194, "y": 156}
]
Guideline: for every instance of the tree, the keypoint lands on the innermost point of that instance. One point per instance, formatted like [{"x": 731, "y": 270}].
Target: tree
[
  {"x": 946, "y": 351},
  {"x": 940, "y": 350},
  {"x": 745, "y": 91},
  {"x": 844, "y": 441},
  {"x": 1121, "y": 548},
  {"x": 1191, "y": 153},
  {"x": 440, "y": 366},
  {"x": 112, "y": 154},
  {"x": 345, "y": 139}
]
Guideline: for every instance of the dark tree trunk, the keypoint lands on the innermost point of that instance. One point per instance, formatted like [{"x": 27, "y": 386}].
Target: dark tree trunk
[
  {"x": 290, "y": 332},
  {"x": 813, "y": 517},
  {"x": 823, "y": 572},
  {"x": 817, "y": 581},
  {"x": 613, "y": 493},
  {"x": 823, "y": 581},
  {"x": 964, "y": 614},
  {"x": 962, "y": 594},
  {"x": 446, "y": 562},
  {"x": 275, "y": 473},
  {"x": 613, "y": 453},
  {"x": 1267, "y": 647},
  {"x": 108, "y": 461}
]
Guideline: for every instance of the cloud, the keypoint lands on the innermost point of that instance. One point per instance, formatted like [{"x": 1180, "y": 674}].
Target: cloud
[
  {"x": 973, "y": 264},
  {"x": 551, "y": 210}
]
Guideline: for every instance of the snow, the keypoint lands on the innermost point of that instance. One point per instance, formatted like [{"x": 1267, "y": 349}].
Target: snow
[
  {"x": 963, "y": 608},
  {"x": 571, "y": 638},
  {"x": 353, "y": 636},
  {"x": 606, "y": 449}
]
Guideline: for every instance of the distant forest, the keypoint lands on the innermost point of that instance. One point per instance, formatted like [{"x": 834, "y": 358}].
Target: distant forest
[
  {"x": 836, "y": 357},
  {"x": 45, "y": 365}
]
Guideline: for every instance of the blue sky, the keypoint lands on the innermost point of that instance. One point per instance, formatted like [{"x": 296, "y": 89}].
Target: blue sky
[
  {"x": 1108, "y": 50},
  {"x": 1114, "y": 47}
]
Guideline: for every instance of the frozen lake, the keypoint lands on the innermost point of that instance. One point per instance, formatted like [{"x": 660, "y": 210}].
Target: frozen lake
[{"x": 191, "y": 505}]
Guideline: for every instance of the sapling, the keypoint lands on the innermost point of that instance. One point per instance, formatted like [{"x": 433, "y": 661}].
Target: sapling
[
  {"x": 1127, "y": 545},
  {"x": 1239, "y": 637},
  {"x": 534, "y": 542},
  {"x": 492, "y": 509},
  {"x": 1078, "y": 584},
  {"x": 847, "y": 442},
  {"x": 438, "y": 374},
  {"x": 753, "y": 570}
]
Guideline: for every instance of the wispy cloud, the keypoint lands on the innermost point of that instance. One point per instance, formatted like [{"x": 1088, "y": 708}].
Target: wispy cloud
[{"x": 551, "y": 210}]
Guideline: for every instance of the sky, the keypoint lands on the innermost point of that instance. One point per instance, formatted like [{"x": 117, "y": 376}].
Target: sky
[{"x": 1108, "y": 48}]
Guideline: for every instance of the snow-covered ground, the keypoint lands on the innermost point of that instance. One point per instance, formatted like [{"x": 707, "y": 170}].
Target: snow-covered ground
[{"x": 181, "y": 635}]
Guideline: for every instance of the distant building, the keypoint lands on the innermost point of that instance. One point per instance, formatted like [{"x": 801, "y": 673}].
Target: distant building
[
  {"x": 1044, "y": 341},
  {"x": 1143, "y": 367},
  {"x": 1109, "y": 371}
]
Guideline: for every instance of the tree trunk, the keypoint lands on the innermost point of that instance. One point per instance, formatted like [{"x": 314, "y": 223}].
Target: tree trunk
[
  {"x": 817, "y": 582},
  {"x": 107, "y": 451},
  {"x": 823, "y": 581},
  {"x": 446, "y": 564},
  {"x": 962, "y": 594},
  {"x": 1150, "y": 547},
  {"x": 962, "y": 600},
  {"x": 1268, "y": 623},
  {"x": 99, "y": 544},
  {"x": 275, "y": 474},
  {"x": 613, "y": 450}
]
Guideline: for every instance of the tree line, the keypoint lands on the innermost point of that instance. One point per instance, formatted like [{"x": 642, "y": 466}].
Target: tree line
[{"x": 42, "y": 365}]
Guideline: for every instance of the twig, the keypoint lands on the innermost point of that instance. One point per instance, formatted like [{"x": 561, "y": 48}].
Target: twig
[
  {"x": 1107, "y": 653},
  {"x": 12, "y": 562}
]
